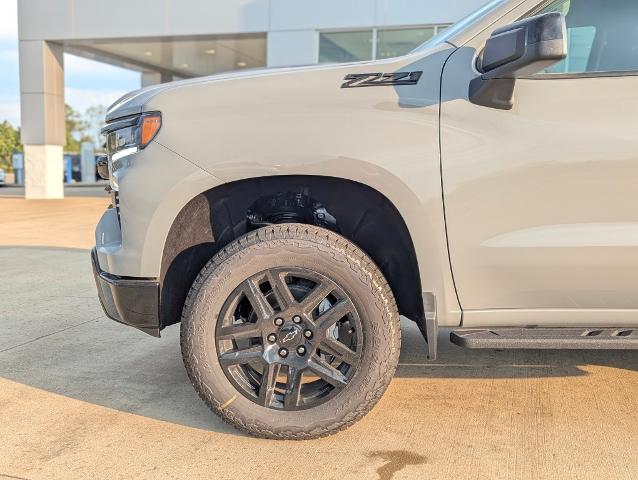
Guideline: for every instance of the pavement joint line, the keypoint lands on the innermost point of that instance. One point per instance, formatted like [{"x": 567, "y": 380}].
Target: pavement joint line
[
  {"x": 87, "y": 297},
  {"x": 50, "y": 334},
  {"x": 470, "y": 365}
]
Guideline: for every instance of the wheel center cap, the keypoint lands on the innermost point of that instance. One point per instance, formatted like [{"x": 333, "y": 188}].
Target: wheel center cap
[{"x": 290, "y": 335}]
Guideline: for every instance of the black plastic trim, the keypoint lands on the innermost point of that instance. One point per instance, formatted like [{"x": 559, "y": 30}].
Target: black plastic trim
[
  {"x": 125, "y": 122},
  {"x": 495, "y": 93},
  {"x": 131, "y": 301},
  {"x": 123, "y": 112}
]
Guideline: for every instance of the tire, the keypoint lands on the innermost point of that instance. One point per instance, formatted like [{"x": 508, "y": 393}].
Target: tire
[{"x": 342, "y": 383}]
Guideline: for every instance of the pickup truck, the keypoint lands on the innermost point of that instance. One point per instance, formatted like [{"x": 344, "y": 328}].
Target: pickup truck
[{"x": 485, "y": 183}]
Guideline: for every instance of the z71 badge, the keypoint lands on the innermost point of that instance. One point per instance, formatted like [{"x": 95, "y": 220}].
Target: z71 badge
[{"x": 355, "y": 80}]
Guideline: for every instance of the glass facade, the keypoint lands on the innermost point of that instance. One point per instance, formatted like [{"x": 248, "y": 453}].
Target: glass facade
[
  {"x": 397, "y": 42},
  {"x": 372, "y": 44},
  {"x": 337, "y": 47}
]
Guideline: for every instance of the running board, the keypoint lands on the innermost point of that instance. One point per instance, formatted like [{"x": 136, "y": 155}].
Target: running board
[{"x": 548, "y": 338}]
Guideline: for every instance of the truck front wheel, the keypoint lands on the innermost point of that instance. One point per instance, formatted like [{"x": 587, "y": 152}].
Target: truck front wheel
[{"x": 290, "y": 332}]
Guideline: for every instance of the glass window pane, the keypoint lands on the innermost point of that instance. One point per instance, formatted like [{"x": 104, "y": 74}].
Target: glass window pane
[
  {"x": 579, "y": 43},
  {"x": 397, "y": 42},
  {"x": 335, "y": 47},
  {"x": 601, "y": 36}
]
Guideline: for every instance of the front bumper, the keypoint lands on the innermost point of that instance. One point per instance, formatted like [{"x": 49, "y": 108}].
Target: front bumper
[{"x": 131, "y": 301}]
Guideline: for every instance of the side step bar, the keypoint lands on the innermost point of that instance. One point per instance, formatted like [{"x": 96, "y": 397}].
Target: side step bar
[{"x": 547, "y": 338}]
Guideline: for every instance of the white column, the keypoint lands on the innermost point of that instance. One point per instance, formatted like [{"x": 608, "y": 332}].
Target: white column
[
  {"x": 44, "y": 170},
  {"x": 43, "y": 126}
]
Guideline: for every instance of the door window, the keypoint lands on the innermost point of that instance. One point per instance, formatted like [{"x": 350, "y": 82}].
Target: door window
[{"x": 602, "y": 35}]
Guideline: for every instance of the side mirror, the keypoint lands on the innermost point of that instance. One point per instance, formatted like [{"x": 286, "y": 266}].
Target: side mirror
[
  {"x": 102, "y": 164},
  {"x": 518, "y": 50}
]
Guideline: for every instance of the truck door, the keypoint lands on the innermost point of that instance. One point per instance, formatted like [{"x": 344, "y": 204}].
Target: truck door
[{"x": 541, "y": 201}]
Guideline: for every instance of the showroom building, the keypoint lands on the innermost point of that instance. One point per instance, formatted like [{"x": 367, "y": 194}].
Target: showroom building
[{"x": 174, "y": 39}]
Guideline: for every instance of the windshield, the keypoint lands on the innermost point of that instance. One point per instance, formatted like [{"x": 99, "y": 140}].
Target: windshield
[{"x": 460, "y": 25}]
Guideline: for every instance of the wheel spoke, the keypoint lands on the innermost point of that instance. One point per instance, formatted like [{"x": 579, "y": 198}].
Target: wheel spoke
[
  {"x": 240, "y": 357},
  {"x": 255, "y": 333},
  {"x": 334, "y": 347},
  {"x": 333, "y": 315},
  {"x": 280, "y": 289},
  {"x": 257, "y": 299},
  {"x": 315, "y": 297},
  {"x": 327, "y": 372},
  {"x": 268, "y": 384},
  {"x": 239, "y": 331},
  {"x": 293, "y": 388}
]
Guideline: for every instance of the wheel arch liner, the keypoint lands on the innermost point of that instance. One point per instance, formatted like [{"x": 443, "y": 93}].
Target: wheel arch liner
[{"x": 216, "y": 217}]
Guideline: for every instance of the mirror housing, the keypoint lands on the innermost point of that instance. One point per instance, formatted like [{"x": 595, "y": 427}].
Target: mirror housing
[
  {"x": 518, "y": 50},
  {"x": 102, "y": 164}
]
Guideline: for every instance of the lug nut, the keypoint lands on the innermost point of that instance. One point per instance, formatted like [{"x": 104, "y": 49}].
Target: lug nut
[
  {"x": 283, "y": 352},
  {"x": 272, "y": 338},
  {"x": 307, "y": 334},
  {"x": 279, "y": 321},
  {"x": 296, "y": 319},
  {"x": 301, "y": 350}
]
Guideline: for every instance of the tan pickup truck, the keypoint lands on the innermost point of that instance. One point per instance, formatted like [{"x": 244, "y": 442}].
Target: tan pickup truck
[{"x": 486, "y": 182}]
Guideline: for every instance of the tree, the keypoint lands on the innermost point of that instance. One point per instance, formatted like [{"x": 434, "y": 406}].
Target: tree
[
  {"x": 9, "y": 144},
  {"x": 76, "y": 130},
  {"x": 95, "y": 120}
]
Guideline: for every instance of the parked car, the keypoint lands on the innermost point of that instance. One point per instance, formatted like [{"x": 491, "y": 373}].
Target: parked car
[
  {"x": 3, "y": 178},
  {"x": 73, "y": 168},
  {"x": 485, "y": 182}
]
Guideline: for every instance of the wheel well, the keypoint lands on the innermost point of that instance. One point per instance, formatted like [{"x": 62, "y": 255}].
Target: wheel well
[{"x": 218, "y": 216}]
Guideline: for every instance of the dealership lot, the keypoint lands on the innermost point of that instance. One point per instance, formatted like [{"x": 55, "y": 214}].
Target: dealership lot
[{"x": 81, "y": 396}]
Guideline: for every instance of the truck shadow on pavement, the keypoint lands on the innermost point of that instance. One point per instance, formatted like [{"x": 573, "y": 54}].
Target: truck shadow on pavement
[{"x": 54, "y": 337}]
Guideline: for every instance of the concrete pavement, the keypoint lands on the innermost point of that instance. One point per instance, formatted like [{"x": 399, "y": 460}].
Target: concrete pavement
[
  {"x": 72, "y": 190},
  {"x": 52, "y": 223},
  {"x": 84, "y": 397}
]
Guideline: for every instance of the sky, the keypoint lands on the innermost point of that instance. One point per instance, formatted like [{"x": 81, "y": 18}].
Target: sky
[{"x": 87, "y": 83}]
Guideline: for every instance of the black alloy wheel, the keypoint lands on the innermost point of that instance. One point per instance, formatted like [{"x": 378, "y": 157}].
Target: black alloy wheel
[{"x": 289, "y": 338}]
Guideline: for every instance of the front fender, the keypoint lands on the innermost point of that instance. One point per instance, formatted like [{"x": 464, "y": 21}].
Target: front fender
[{"x": 303, "y": 123}]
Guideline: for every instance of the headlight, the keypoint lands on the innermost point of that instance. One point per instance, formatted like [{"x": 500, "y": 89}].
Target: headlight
[{"x": 126, "y": 137}]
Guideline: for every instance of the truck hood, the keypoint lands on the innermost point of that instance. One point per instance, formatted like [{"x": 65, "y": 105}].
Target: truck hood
[{"x": 133, "y": 103}]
